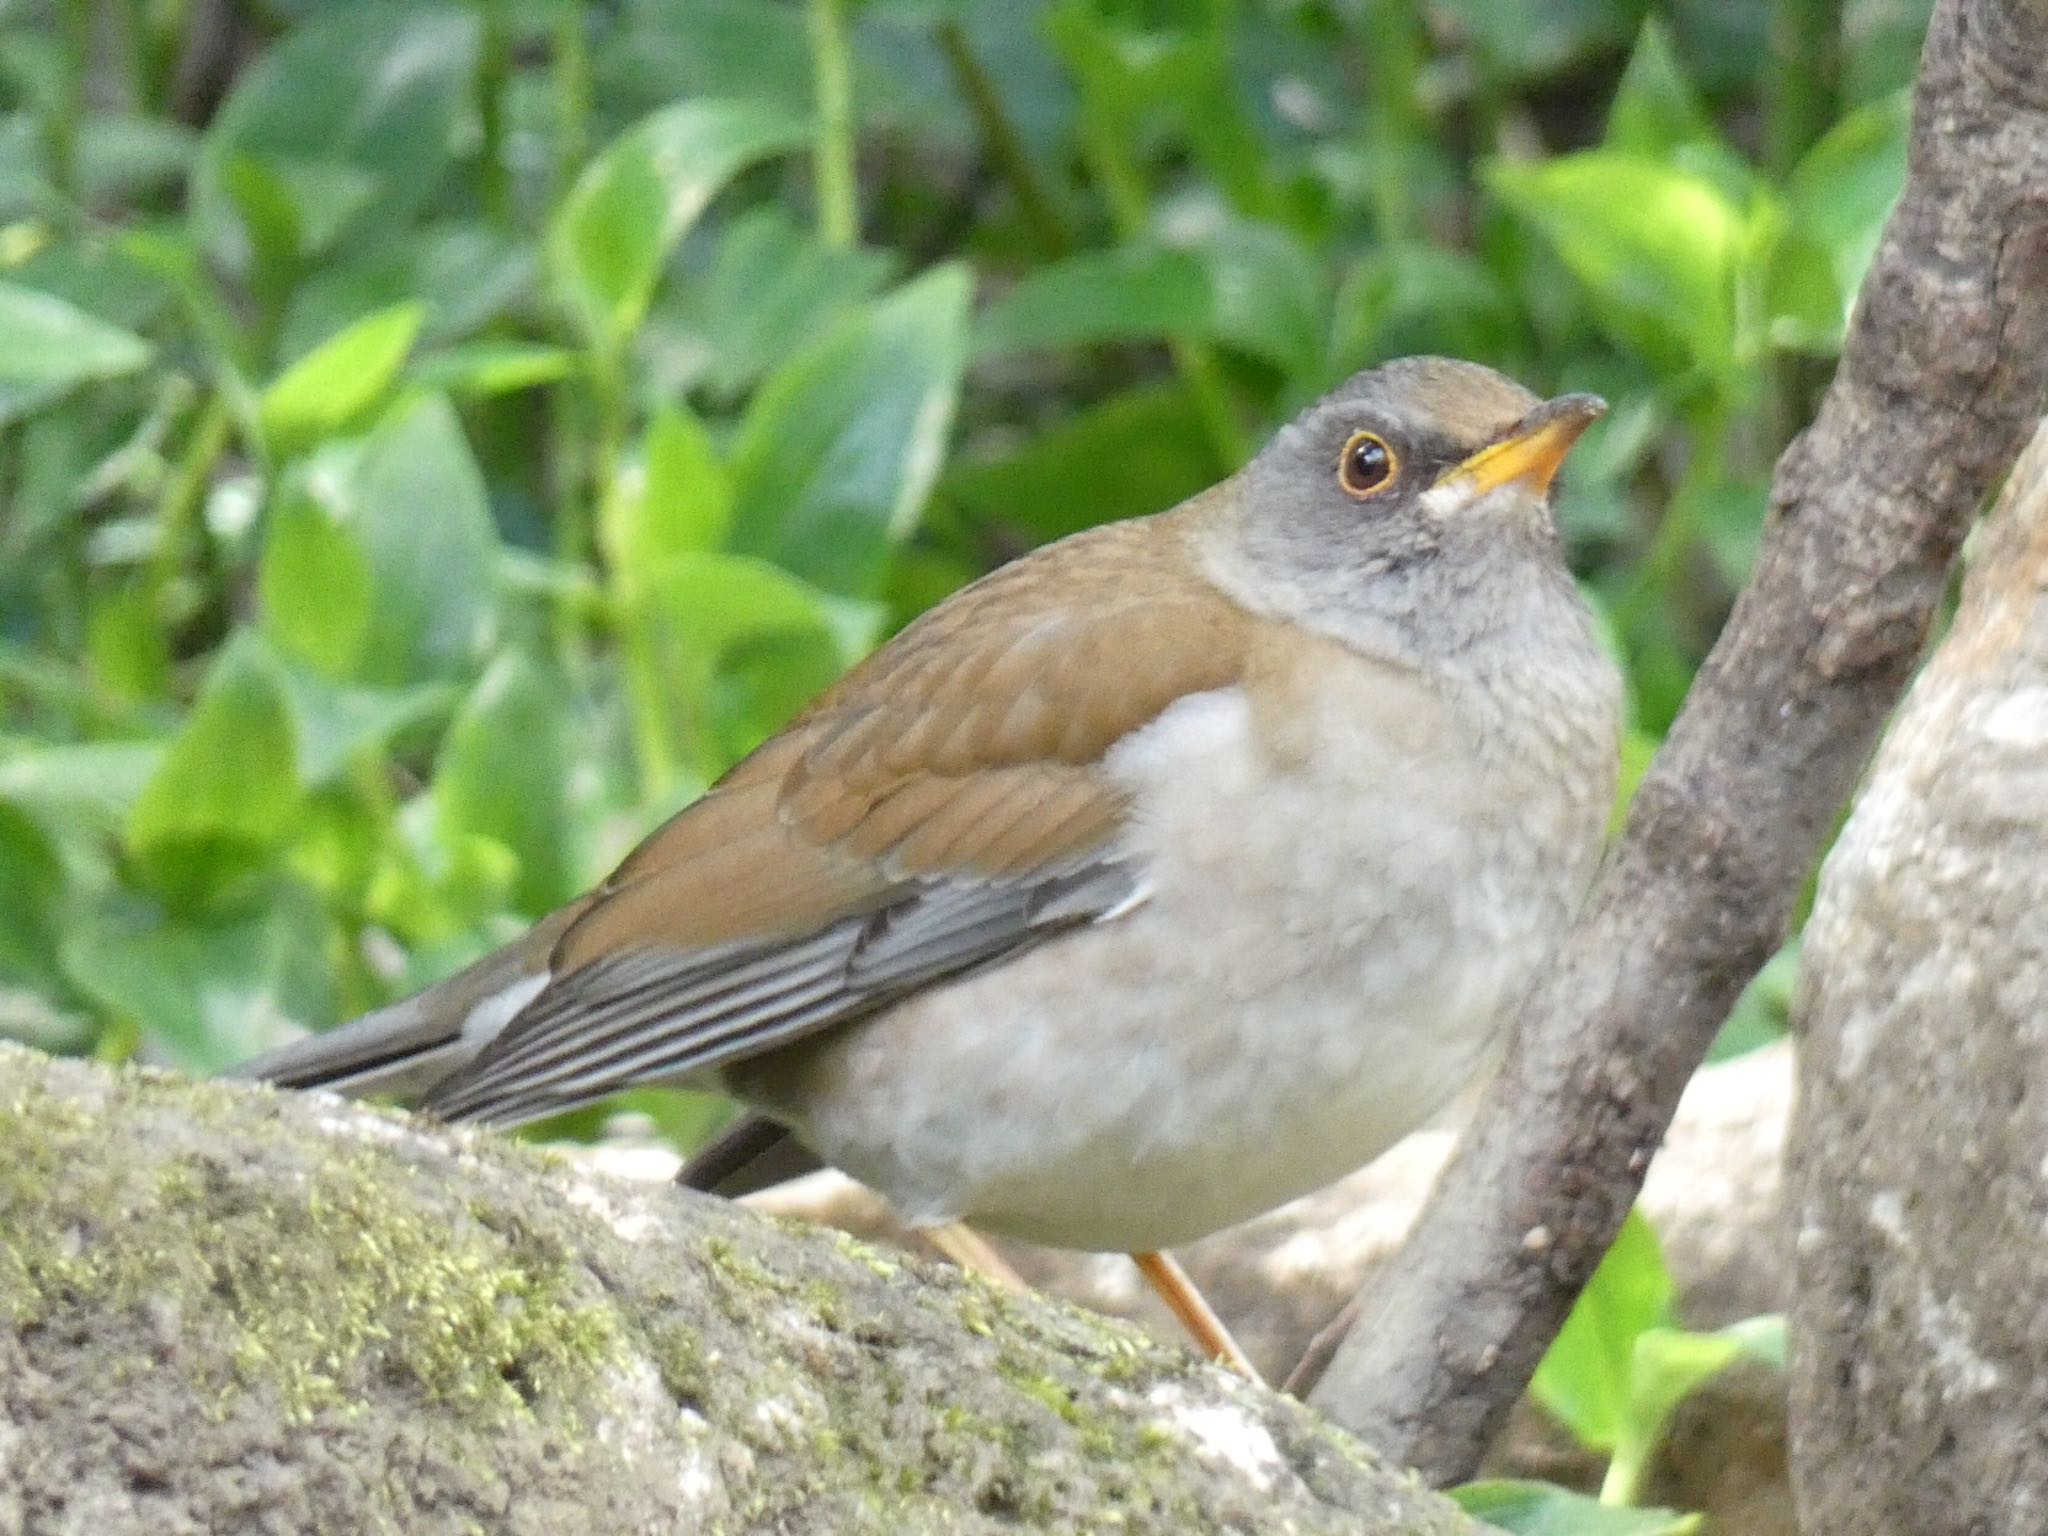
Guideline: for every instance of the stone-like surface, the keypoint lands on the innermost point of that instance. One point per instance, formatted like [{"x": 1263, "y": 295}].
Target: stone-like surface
[
  {"x": 1714, "y": 1191},
  {"x": 226, "y": 1309},
  {"x": 1920, "y": 1389}
]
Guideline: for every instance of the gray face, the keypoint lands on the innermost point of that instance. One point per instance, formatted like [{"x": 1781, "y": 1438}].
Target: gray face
[{"x": 1368, "y": 538}]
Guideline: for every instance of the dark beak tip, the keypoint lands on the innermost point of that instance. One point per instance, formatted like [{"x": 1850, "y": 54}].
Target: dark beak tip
[{"x": 1583, "y": 407}]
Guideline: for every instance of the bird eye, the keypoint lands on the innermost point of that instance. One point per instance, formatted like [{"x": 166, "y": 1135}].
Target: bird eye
[{"x": 1367, "y": 465}]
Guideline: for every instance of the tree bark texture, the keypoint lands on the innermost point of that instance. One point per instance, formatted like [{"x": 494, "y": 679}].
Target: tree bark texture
[
  {"x": 1920, "y": 1149},
  {"x": 227, "y": 1309},
  {"x": 1940, "y": 380}
]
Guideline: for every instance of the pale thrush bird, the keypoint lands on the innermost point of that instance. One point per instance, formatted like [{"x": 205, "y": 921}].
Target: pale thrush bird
[{"x": 1147, "y": 883}]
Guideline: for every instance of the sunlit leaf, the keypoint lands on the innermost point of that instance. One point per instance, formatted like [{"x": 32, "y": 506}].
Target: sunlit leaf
[
  {"x": 503, "y": 774},
  {"x": 221, "y": 802},
  {"x": 841, "y": 445},
  {"x": 314, "y": 582},
  {"x": 1655, "y": 245},
  {"x": 631, "y": 205},
  {"x": 413, "y": 500},
  {"x": 482, "y": 368},
  {"x": 675, "y": 498},
  {"x": 1584, "y": 1380},
  {"x": 339, "y": 380},
  {"x": 1840, "y": 194}
]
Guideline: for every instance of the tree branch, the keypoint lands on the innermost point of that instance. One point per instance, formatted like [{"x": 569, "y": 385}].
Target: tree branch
[{"x": 1940, "y": 379}]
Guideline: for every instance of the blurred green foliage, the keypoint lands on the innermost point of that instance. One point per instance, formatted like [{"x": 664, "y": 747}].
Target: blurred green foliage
[{"x": 437, "y": 438}]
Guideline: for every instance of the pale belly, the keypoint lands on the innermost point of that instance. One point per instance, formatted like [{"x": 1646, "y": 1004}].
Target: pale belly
[{"x": 1322, "y": 959}]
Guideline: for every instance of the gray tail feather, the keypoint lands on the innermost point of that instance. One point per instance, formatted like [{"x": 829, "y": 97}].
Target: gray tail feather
[
  {"x": 752, "y": 1154},
  {"x": 403, "y": 1050},
  {"x": 408, "y": 1047}
]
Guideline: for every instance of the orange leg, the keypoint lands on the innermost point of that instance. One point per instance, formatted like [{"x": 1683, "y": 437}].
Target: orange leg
[
  {"x": 970, "y": 1250},
  {"x": 1195, "y": 1313}
]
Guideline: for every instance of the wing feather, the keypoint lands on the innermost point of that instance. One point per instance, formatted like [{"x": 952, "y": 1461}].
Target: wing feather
[{"x": 944, "y": 806}]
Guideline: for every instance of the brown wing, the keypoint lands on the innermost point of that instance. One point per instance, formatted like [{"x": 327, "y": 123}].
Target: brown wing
[{"x": 943, "y": 806}]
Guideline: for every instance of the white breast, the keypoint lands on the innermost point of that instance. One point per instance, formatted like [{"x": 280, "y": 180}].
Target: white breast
[{"x": 1324, "y": 948}]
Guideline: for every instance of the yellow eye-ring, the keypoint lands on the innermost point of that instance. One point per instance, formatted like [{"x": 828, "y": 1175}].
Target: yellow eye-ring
[{"x": 1367, "y": 465}]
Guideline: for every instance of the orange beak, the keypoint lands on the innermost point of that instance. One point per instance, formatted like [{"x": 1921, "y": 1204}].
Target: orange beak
[{"x": 1531, "y": 454}]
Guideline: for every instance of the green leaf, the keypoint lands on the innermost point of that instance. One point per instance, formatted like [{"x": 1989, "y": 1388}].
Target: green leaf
[
  {"x": 221, "y": 803},
  {"x": 1655, "y": 245},
  {"x": 1763, "y": 1014},
  {"x": 1655, "y": 110},
  {"x": 365, "y": 97},
  {"x": 674, "y": 498},
  {"x": 1584, "y": 1380},
  {"x": 1673, "y": 1363},
  {"x": 708, "y": 603},
  {"x": 636, "y": 200},
  {"x": 1414, "y": 297},
  {"x": 467, "y": 277},
  {"x": 737, "y": 48},
  {"x": 338, "y": 724},
  {"x": 205, "y": 995},
  {"x": 414, "y": 501},
  {"x": 123, "y": 161},
  {"x": 339, "y": 380},
  {"x": 1543, "y": 1509},
  {"x": 772, "y": 287},
  {"x": 89, "y": 786},
  {"x": 480, "y": 369},
  {"x": 1140, "y": 451},
  {"x": 1527, "y": 41},
  {"x": 314, "y": 584},
  {"x": 503, "y": 775},
  {"x": 1838, "y": 198},
  {"x": 1669, "y": 1365},
  {"x": 33, "y": 895},
  {"x": 293, "y": 209},
  {"x": 1254, "y": 286},
  {"x": 1138, "y": 292},
  {"x": 735, "y": 645},
  {"x": 1270, "y": 297},
  {"x": 48, "y": 346},
  {"x": 127, "y": 645},
  {"x": 841, "y": 445}
]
